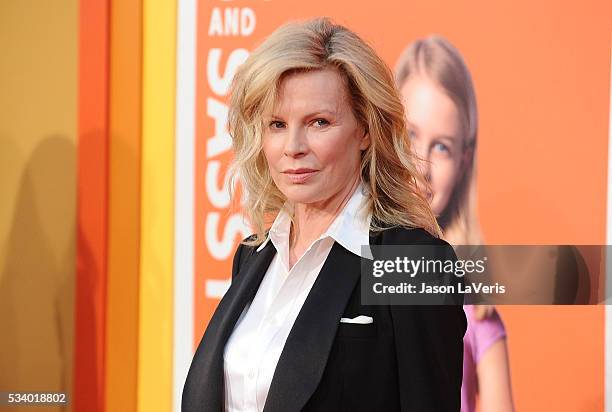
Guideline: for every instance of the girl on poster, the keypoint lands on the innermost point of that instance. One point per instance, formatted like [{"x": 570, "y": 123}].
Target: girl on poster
[{"x": 440, "y": 102}]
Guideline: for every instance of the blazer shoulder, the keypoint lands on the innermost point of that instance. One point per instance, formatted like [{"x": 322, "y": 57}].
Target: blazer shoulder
[
  {"x": 399, "y": 235},
  {"x": 250, "y": 238},
  {"x": 244, "y": 251}
]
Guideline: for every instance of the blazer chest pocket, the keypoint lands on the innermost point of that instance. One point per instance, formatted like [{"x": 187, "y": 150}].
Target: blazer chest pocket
[{"x": 356, "y": 330}]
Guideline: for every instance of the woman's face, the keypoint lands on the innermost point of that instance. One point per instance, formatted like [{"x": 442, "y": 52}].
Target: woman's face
[
  {"x": 436, "y": 135},
  {"x": 312, "y": 141}
]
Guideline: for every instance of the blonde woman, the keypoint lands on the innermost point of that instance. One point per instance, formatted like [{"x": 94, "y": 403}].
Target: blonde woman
[
  {"x": 442, "y": 117},
  {"x": 322, "y": 151}
]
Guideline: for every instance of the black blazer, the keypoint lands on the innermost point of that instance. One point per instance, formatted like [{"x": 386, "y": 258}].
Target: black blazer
[{"x": 409, "y": 359}]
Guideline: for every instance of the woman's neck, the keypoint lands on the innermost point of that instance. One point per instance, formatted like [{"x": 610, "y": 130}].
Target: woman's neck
[{"x": 313, "y": 219}]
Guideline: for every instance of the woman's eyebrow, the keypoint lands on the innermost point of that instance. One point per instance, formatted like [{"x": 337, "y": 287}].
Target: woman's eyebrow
[
  {"x": 322, "y": 111},
  {"x": 311, "y": 114}
]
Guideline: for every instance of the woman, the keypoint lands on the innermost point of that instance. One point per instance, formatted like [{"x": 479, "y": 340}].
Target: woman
[
  {"x": 321, "y": 147},
  {"x": 442, "y": 117}
]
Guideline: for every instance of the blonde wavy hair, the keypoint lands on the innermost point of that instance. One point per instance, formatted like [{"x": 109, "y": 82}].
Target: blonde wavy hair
[
  {"x": 388, "y": 169},
  {"x": 437, "y": 59}
]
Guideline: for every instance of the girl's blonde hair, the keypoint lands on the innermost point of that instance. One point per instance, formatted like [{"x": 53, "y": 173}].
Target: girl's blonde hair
[
  {"x": 388, "y": 169},
  {"x": 437, "y": 59}
]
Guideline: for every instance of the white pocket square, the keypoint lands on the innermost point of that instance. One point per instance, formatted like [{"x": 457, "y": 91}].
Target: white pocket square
[{"x": 361, "y": 319}]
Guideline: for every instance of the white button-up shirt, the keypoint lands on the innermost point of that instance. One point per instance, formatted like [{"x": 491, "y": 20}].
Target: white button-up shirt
[{"x": 252, "y": 351}]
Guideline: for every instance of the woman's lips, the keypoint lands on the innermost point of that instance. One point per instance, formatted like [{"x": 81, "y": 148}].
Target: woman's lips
[{"x": 300, "y": 175}]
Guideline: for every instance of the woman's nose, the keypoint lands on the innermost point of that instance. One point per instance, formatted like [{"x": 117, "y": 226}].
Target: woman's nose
[{"x": 295, "y": 143}]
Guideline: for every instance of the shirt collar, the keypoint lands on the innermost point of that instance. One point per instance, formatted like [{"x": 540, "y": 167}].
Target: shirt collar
[{"x": 351, "y": 228}]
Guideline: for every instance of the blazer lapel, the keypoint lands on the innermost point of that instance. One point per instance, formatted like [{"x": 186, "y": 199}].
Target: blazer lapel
[
  {"x": 304, "y": 356},
  {"x": 204, "y": 384}
]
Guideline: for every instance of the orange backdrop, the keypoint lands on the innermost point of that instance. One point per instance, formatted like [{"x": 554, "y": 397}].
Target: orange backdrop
[{"x": 541, "y": 72}]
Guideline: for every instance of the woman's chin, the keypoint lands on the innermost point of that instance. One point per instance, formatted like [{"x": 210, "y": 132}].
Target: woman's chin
[{"x": 302, "y": 194}]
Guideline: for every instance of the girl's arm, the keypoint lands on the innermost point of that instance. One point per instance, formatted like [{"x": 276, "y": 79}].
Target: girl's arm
[{"x": 493, "y": 369}]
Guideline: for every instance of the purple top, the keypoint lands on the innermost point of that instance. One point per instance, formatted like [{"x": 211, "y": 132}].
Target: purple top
[{"x": 479, "y": 337}]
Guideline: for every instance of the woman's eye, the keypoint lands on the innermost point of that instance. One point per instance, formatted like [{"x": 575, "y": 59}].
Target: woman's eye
[
  {"x": 275, "y": 124},
  {"x": 320, "y": 122}
]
